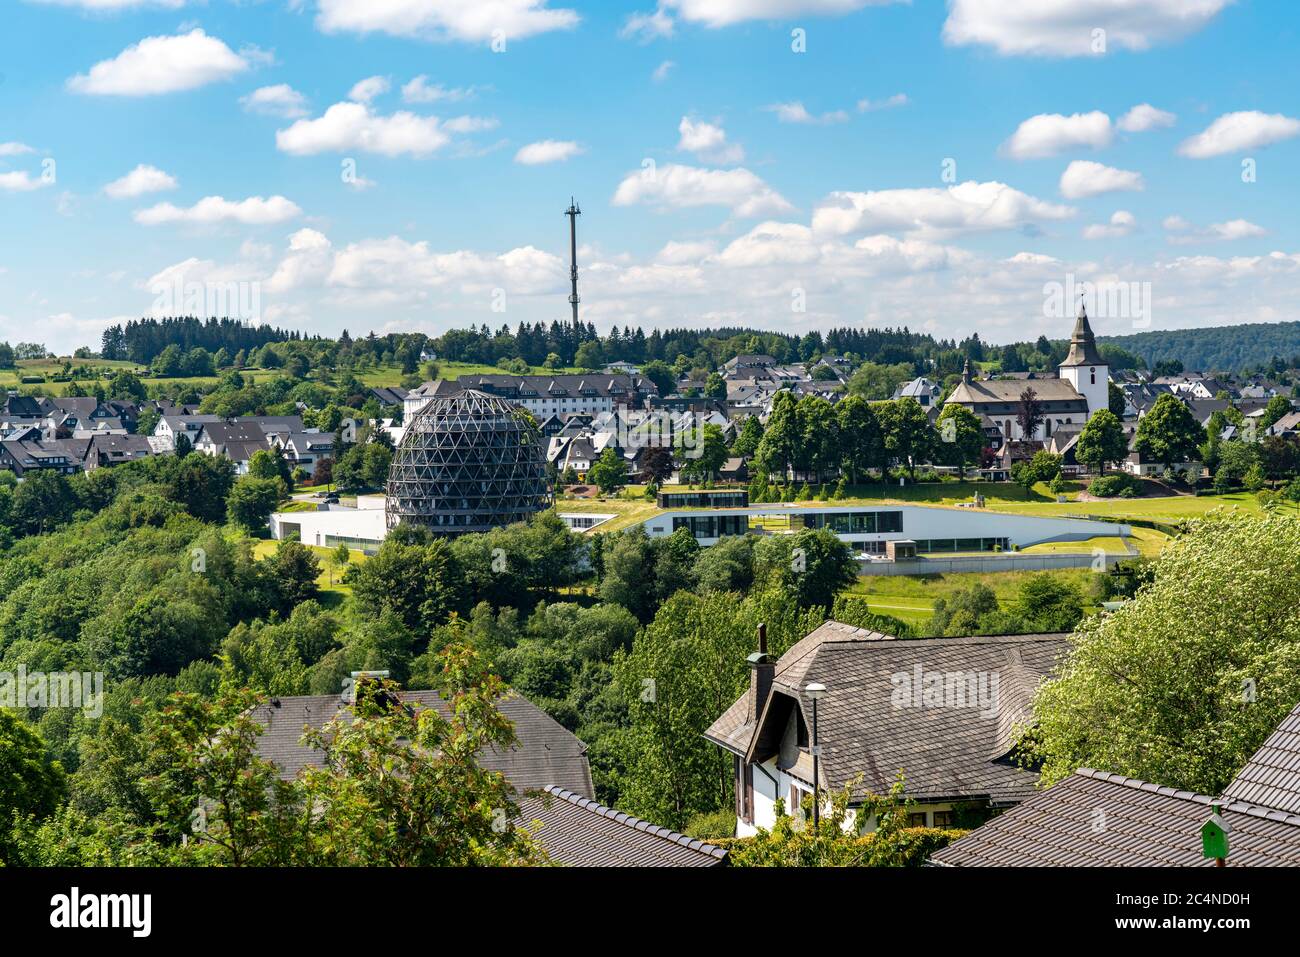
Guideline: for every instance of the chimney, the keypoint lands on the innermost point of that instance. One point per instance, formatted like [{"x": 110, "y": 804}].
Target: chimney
[{"x": 762, "y": 670}]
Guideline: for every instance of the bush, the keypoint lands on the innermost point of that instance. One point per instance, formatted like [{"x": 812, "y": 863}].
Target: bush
[
  {"x": 712, "y": 825},
  {"x": 1109, "y": 486}
]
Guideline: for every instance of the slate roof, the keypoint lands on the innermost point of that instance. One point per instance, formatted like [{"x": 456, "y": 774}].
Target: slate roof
[
  {"x": 1096, "y": 819},
  {"x": 546, "y": 754},
  {"x": 943, "y": 752},
  {"x": 1005, "y": 393},
  {"x": 1083, "y": 345},
  {"x": 1272, "y": 777},
  {"x": 577, "y": 832}
]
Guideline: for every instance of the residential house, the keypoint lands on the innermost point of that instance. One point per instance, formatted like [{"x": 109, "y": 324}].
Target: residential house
[
  {"x": 922, "y": 390},
  {"x": 945, "y": 713},
  {"x": 545, "y": 395}
]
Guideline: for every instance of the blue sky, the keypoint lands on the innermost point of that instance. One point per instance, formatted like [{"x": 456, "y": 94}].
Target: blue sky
[{"x": 927, "y": 164}]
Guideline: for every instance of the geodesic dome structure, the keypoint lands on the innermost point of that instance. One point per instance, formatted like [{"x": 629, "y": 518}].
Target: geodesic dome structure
[{"x": 468, "y": 462}]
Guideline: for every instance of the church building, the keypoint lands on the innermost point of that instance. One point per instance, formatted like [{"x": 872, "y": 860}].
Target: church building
[{"x": 1080, "y": 390}]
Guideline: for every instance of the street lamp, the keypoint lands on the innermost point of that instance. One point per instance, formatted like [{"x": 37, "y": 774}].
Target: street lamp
[{"x": 815, "y": 692}]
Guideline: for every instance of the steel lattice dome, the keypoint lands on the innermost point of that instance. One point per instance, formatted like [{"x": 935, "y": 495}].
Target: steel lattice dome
[{"x": 467, "y": 462}]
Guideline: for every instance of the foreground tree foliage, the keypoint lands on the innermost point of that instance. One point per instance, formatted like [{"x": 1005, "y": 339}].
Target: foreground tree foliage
[
  {"x": 401, "y": 786},
  {"x": 795, "y": 842},
  {"x": 1186, "y": 681}
]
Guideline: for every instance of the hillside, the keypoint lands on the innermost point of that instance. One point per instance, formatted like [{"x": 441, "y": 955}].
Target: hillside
[{"x": 1217, "y": 348}]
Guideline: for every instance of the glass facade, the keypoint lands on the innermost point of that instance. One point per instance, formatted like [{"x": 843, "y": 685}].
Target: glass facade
[
  {"x": 961, "y": 544},
  {"x": 724, "y": 498},
  {"x": 855, "y": 523},
  {"x": 712, "y": 526}
]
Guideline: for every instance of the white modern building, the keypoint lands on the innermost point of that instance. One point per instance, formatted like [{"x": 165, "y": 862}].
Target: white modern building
[{"x": 868, "y": 528}]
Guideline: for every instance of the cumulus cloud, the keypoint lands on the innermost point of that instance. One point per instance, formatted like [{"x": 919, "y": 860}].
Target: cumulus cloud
[
  {"x": 725, "y": 13},
  {"x": 395, "y": 265},
  {"x": 469, "y": 21},
  {"x": 1065, "y": 28},
  {"x": 795, "y": 112},
  {"x": 307, "y": 262},
  {"x": 708, "y": 142},
  {"x": 354, "y": 126},
  {"x": 21, "y": 181},
  {"x": 363, "y": 91},
  {"x": 547, "y": 151},
  {"x": 1084, "y": 178},
  {"x": 1122, "y": 222},
  {"x": 1048, "y": 134},
  {"x": 15, "y": 149},
  {"x": 888, "y": 103},
  {"x": 163, "y": 64},
  {"x": 418, "y": 90},
  {"x": 1184, "y": 233},
  {"x": 212, "y": 210},
  {"x": 1234, "y": 132},
  {"x": 647, "y": 26},
  {"x": 1145, "y": 117},
  {"x": 280, "y": 100},
  {"x": 141, "y": 180},
  {"x": 677, "y": 186},
  {"x": 934, "y": 212}
]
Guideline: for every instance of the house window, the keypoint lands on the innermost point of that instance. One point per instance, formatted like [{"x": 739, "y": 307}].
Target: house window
[
  {"x": 744, "y": 790},
  {"x": 943, "y": 818},
  {"x": 916, "y": 819}
]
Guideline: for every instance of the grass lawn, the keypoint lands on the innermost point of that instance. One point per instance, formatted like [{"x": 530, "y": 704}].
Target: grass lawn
[
  {"x": 333, "y": 592},
  {"x": 911, "y": 598}
]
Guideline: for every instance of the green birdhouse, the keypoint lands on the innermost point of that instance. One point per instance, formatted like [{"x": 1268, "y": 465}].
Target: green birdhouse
[{"x": 1214, "y": 836}]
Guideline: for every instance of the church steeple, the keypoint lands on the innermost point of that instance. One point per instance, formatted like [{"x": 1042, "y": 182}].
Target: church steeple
[{"x": 1083, "y": 344}]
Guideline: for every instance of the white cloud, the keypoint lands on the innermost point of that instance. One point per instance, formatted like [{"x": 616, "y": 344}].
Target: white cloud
[
  {"x": 1032, "y": 259},
  {"x": 1185, "y": 233},
  {"x": 647, "y": 26},
  {"x": 143, "y": 179},
  {"x": 547, "y": 151},
  {"x": 15, "y": 149},
  {"x": 1234, "y": 132},
  {"x": 470, "y": 21},
  {"x": 708, "y": 142},
  {"x": 795, "y": 112},
  {"x": 674, "y": 185},
  {"x": 307, "y": 262},
  {"x": 163, "y": 64},
  {"x": 888, "y": 103},
  {"x": 403, "y": 269},
  {"x": 1048, "y": 134},
  {"x": 1145, "y": 117},
  {"x": 22, "y": 182},
  {"x": 662, "y": 70},
  {"x": 418, "y": 90},
  {"x": 1065, "y": 28},
  {"x": 280, "y": 100},
  {"x": 676, "y": 253},
  {"x": 933, "y": 212},
  {"x": 363, "y": 91},
  {"x": 1122, "y": 222},
  {"x": 353, "y": 126},
  {"x": 1084, "y": 178},
  {"x": 725, "y": 13},
  {"x": 254, "y": 211},
  {"x": 470, "y": 124}
]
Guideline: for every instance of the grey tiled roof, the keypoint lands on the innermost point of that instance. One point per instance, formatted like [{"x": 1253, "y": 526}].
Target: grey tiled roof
[
  {"x": 943, "y": 752},
  {"x": 546, "y": 754},
  {"x": 1095, "y": 819},
  {"x": 1272, "y": 777},
  {"x": 578, "y": 832}
]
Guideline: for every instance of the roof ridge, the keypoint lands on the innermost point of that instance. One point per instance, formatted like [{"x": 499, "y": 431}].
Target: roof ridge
[
  {"x": 622, "y": 817},
  {"x": 1228, "y": 804}
]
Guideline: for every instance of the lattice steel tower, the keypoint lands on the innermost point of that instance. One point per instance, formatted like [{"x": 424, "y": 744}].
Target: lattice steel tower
[{"x": 468, "y": 462}]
